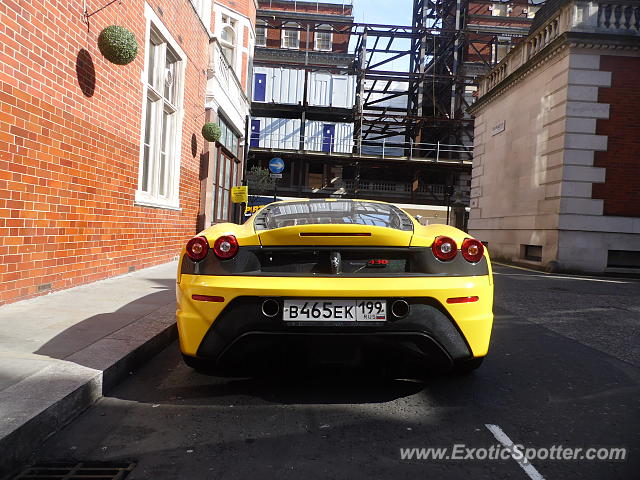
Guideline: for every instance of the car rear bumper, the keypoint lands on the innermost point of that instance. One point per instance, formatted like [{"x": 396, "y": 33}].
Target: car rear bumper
[
  {"x": 243, "y": 332},
  {"x": 433, "y": 328}
]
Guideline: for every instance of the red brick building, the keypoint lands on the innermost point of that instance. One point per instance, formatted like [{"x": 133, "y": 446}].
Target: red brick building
[
  {"x": 494, "y": 27},
  {"x": 620, "y": 191},
  {"x": 299, "y": 26},
  {"x": 100, "y": 164}
]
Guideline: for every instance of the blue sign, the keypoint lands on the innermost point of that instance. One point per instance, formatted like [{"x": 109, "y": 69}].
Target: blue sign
[
  {"x": 276, "y": 165},
  {"x": 256, "y": 203}
]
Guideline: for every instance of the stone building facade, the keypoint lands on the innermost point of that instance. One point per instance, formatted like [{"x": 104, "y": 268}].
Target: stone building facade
[{"x": 556, "y": 161}]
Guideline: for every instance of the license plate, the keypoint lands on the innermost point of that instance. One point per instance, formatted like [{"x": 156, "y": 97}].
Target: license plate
[{"x": 365, "y": 310}]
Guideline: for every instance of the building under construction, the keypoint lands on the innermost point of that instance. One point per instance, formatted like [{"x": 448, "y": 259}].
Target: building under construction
[{"x": 371, "y": 110}]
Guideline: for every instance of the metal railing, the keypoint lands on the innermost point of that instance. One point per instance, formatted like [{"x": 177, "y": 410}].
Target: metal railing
[
  {"x": 220, "y": 69},
  {"x": 382, "y": 188},
  {"x": 344, "y": 3},
  {"x": 392, "y": 187},
  {"x": 437, "y": 151},
  {"x": 383, "y": 148}
]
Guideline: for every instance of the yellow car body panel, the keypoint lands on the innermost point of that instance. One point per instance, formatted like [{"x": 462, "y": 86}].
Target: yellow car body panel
[
  {"x": 474, "y": 320},
  {"x": 347, "y": 235}
]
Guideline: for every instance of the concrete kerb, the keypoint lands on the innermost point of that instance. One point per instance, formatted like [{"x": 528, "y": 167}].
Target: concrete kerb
[
  {"x": 37, "y": 406},
  {"x": 72, "y": 398}
]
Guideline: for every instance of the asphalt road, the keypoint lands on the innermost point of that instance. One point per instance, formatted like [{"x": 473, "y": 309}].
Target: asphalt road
[{"x": 564, "y": 369}]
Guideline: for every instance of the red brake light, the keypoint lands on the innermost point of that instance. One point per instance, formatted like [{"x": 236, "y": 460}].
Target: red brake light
[
  {"x": 226, "y": 247},
  {"x": 472, "y": 250},
  {"x": 197, "y": 248},
  {"x": 444, "y": 248}
]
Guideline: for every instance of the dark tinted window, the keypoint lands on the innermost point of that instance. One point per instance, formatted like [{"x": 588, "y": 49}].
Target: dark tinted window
[{"x": 339, "y": 212}]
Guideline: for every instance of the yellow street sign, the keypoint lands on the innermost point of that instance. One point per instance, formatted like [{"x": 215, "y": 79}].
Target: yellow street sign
[{"x": 240, "y": 194}]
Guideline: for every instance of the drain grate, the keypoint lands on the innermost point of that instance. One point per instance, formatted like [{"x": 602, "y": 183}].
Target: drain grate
[{"x": 77, "y": 471}]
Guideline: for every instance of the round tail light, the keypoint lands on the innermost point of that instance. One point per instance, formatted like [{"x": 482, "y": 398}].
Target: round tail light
[
  {"x": 444, "y": 248},
  {"x": 472, "y": 250},
  {"x": 197, "y": 248},
  {"x": 226, "y": 247}
]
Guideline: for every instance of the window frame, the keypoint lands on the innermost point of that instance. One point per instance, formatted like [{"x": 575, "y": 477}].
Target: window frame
[
  {"x": 315, "y": 38},
  {"x": 261, "y": 24},
  {"x": 225, "y": 44},
  {"x": 227, "y": 174},
  {"x": 149, "y": 193},
  {"x": 229, "y": 139},
  {"x": 285, "y": 30},
  {"x": 500, "y": 49}
]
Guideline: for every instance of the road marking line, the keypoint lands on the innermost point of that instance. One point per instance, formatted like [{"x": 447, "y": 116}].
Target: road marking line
[
  {"x": 562, "y": 277},
  {"x": 551, "y": 275},
  {"x": 506, "y": 441},
  {"x": 519, "y": 268}
]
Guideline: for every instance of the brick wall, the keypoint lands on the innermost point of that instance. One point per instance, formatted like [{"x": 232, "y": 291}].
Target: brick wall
[
  {"x": 70, "y": 143},
  {"x": 341, "y": 34},
  {"x": 245, "y": 7},
  {"x": 479, "y": 49},
  {"x": 340, "y": 42},
  {"x": 621, "y": 189}
]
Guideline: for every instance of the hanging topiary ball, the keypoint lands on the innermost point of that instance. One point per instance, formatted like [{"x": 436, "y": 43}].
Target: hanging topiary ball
[
  {"x": 211, "y": 132},
  {"x": 118, "y": 45}
]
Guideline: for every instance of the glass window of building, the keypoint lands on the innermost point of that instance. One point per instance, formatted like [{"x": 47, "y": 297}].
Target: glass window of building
[
  {"x": 162, "y": 104},
  {"x": 228, "y": 44},
  {"x": 291, "y": 37},
  {"x": 261, "y": 34},
  {"x": 323, "y": 38}
]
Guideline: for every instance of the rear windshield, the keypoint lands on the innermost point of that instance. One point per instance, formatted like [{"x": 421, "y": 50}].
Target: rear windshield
[{"x": 340, "y": 212}]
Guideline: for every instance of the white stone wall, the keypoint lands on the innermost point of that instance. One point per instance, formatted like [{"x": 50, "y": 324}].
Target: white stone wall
[
  {"x": 517, "y": 173},
  {"x": 588, "y": 250}
]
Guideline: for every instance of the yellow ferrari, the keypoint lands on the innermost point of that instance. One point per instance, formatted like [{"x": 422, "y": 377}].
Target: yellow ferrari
[{"x": 334, "y": 281}]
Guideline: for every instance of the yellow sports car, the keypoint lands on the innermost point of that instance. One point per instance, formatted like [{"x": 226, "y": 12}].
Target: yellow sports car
[{"x": 335, "y": 281}]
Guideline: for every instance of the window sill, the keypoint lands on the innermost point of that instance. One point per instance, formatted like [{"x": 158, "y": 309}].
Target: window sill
[{"x": 143, "y": 201}]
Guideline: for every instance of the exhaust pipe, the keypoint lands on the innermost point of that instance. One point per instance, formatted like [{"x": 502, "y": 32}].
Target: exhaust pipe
[
  {"x": 270, "y": 308},
  {"x": 400, "y": 308}
]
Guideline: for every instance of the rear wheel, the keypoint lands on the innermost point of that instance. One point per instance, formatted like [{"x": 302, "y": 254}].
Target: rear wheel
[
  {"x": 465, "y": 367},
  {"x": 198, "y": 364}
]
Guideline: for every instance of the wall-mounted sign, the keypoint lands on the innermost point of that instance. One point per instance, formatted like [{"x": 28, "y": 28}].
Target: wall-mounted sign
[
  {"x": 499, "y": 128},
  {"x": 240, "y": 194},
  {"x": 256, "y": 203},
  {"x": 276, "y": 165}
]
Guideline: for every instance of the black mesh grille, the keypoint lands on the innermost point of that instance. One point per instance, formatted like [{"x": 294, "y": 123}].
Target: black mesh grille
[
  {"x": 344, "y": 261},
  {"x": 77, "y": 471}
]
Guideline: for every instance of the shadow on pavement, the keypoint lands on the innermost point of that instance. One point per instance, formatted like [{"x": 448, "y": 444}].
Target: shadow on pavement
[
  {"x": 98, "y": 327},
  {"x": 315, "y": 389}
]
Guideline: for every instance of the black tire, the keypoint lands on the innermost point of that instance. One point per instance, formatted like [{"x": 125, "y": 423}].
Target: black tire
[
  {"x": 466, "y": 367},
  {"x": 198, "y": 364}
]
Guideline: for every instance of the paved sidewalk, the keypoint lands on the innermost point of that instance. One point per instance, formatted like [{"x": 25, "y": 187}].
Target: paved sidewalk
[{"x": 60, "y": 352}]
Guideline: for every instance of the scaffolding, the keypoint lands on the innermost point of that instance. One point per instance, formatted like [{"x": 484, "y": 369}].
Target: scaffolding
[
  {"x": 450, "y": 46},
  {"x": 414, "y": 84}
]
